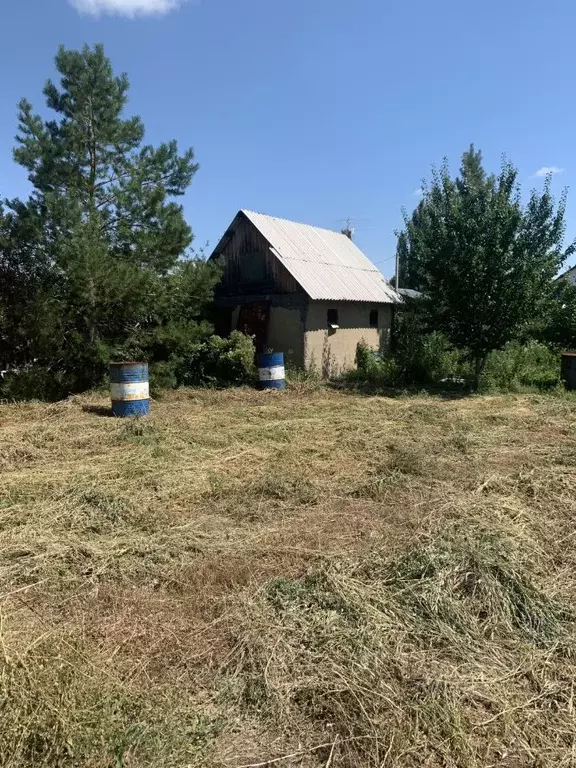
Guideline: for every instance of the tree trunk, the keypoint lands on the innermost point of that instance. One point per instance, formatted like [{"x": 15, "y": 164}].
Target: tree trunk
[{"x": 479, "y": 364}]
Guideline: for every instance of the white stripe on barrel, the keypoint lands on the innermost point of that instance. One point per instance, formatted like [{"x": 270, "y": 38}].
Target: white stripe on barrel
[
  {"x": 274, "y": 373},
  {"x": 129, "y": 390},
  {"x": 271, "y": 370}
]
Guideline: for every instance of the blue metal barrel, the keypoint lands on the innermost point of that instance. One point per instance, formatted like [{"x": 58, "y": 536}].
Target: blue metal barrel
[
  {"x": 271, "y": 371},
  {"x": 129, "y": 389}
]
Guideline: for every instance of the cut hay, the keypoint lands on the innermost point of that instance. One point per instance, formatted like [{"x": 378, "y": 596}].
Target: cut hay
[{"x": 306, "y": 579}]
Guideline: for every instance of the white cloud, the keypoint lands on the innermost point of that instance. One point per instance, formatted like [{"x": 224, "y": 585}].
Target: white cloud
[
  {"x": 547, "y": 170},
  {"x": 129, "y": 8},
  {"x": 418, "y": 192}
]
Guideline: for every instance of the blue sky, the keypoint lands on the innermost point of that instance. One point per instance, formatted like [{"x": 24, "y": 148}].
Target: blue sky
[{"x": 318, "y": 110}]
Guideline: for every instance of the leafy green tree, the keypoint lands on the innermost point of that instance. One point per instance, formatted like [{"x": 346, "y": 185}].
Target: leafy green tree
[
  {"x": 484, "y": 261},
  {"x": 101, "y": 226},
  {"x": 555, "y": 323},
  {"x": 409, "y": 267}
]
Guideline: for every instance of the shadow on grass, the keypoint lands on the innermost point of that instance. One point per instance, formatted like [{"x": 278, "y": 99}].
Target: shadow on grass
[{"x": 98, "y": 410}]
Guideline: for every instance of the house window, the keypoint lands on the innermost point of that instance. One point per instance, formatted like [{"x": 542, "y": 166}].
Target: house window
[
  {"x": 332, "y": 318},
  {"x": 373, "y": 318}
]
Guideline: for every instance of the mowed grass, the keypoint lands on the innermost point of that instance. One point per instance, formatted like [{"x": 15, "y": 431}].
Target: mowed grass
[{"x": 310, "y": 578}]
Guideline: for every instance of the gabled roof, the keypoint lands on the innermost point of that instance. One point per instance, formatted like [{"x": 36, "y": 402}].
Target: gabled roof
[{"x": 327, "y": 264}]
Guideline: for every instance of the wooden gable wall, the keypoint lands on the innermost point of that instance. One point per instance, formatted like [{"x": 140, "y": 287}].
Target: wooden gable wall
[{"x": 250, "y": 267}]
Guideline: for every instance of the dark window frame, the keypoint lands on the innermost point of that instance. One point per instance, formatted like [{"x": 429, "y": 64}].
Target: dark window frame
[
  {"x": 332, "y": 316},
  {"x": 373, "y": 318}
]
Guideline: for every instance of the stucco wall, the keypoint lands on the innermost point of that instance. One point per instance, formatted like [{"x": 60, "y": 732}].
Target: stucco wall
[
  {"x": 333, "y": 351},
  {"x": 286, "y": 334}
]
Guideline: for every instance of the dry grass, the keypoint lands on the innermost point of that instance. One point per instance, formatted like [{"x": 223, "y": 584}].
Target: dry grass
[{"x": 311, "y": 578}]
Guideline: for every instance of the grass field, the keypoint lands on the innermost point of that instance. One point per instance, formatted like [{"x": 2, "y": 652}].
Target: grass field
[{"x": 312, "y": 579}]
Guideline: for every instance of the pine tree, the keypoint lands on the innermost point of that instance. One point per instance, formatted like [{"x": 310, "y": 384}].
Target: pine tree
[
  {"x": 88, "y": 165},
  {"x": 483, "y": 260},
  {"x": 101, "y": 218}
]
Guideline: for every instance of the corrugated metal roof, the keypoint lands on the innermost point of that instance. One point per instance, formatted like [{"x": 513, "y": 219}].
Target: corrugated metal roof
[
  {"x": 410, "y": 293},
  {"x": 569, "y": 274},
  {"x": 327, "y": 264}
]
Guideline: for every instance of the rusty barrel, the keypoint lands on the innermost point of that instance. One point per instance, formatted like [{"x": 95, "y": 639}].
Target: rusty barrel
[
  {"x": 271, "y": 373},
  {"x": 129, "y": 389}
]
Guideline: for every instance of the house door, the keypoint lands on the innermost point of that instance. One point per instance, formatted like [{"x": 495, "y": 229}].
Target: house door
[{"x": 253, "y": 321}]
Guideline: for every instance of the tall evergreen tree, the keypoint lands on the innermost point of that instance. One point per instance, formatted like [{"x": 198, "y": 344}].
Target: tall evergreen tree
[
  {"x": 24, "y": 270},
  {"x": 484, "y": 261},
  {"x": 89, "y": 168},
  {"x": 101, "y": 219}
]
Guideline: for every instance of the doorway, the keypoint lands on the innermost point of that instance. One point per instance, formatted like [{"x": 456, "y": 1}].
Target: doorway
[{"x": 253, "y": 321}]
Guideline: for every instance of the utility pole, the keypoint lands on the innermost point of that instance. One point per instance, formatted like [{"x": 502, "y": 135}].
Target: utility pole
[{"x": 397, "y": 276}]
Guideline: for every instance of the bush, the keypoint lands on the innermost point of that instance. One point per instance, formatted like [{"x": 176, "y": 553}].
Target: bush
[
  {"x": 220, "y": 362},
  {"x": 429, "y": 360},
  {"x": 518, "y": 367},
  {"x": 35, "y": 382},
  {"x": 424, "y": 360},
  {"x": 424, "y": 355},
  {"x": 372, "y": 369},
  {"x": 212, "y": 362}
]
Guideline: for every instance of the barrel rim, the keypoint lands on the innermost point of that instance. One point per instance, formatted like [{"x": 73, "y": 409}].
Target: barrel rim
[{"x": 136, "y": 363}]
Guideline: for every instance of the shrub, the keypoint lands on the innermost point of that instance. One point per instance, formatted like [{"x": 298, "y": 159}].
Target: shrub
[
  {"x": 219, "y": 362},
  {"x": 36, "y": 382},
  {"x": 422, "y": 360},
  {"x": 372, "y": 369},
  {"x": 429, "y": 359},
  {"x": 424, "y": 355},
  {"x": 516, "y": 367}
]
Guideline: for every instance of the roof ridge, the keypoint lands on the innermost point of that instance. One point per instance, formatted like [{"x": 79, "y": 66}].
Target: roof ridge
[{"x": 298, "y": 224}]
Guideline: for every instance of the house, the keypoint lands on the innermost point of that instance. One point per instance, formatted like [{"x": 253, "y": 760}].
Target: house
[
  {"x": 305, "y": 291},
  {"x": 569, "y": 274}
]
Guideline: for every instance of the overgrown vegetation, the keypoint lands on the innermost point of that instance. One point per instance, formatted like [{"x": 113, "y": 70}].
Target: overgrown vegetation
[
  {"x": 244, "y": 577},
  {"x": 95, "y": 265},
  {"x": 484, "y": 262},
  {"x": 427, "y": 360}
]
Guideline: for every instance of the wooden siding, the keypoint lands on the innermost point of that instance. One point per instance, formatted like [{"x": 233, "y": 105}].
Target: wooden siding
[{"x": 250, "y": 267}]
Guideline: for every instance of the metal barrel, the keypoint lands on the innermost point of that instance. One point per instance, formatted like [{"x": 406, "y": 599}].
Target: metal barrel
[
  {"x": 569, "y": 369},
  {"x": 271, "y": 371},
  {"x": 129, "y": 389}
]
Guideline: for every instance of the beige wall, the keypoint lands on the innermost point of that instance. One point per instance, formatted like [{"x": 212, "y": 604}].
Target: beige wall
[
  {"x": 333, "y": 351},
  {"x": 286, "y": 334}
]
